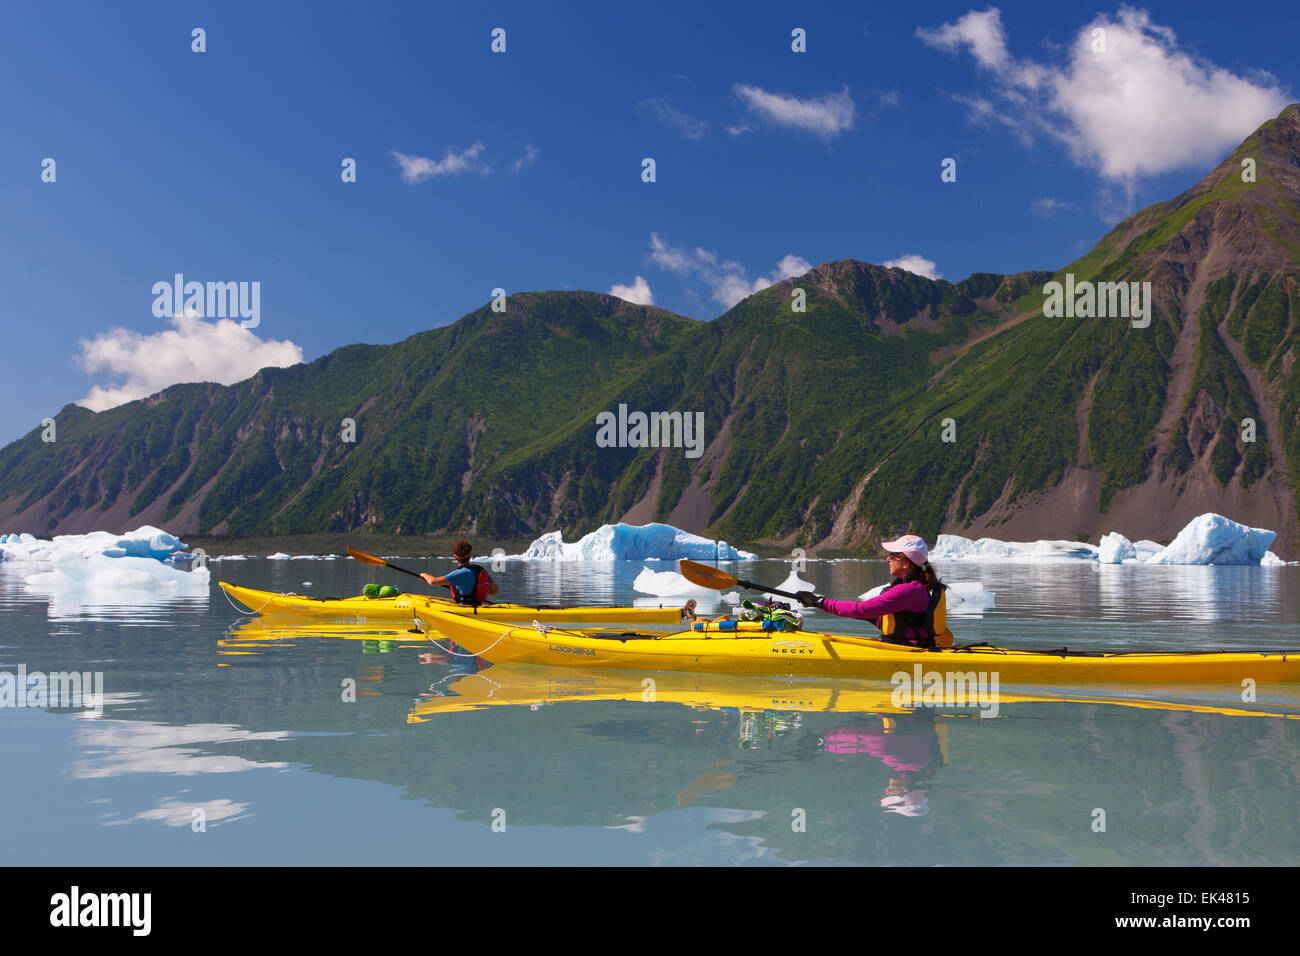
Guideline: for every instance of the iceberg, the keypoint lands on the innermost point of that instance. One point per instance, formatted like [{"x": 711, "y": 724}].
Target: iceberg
[
  {"x": 1115, "y": 549},
  {"x": 953, "y": 547},
  {"x": 104, "y": 573},
  {"x": 144, "y": 542},
  {"x": 1207, "y": 539},
  {"x": 628, "y": 542},
  {"x": 1214, "y": 539},
  {"x": 669, "y": 584}
]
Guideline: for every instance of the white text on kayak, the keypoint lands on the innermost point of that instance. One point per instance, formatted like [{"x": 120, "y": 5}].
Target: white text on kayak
[
  {"x": 1100, "y": 300},
  {"x": 213, "y": 300},
  {"x": 655, "y": 430}
]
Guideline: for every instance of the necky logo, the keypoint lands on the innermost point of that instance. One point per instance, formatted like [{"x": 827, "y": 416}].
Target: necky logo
[{"x": 102, "y": 909}]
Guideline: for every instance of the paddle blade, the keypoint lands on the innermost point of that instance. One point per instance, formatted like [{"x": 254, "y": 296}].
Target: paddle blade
[
  {"x": 704, "y": 575},
  {"x": 367, "y": 558}
]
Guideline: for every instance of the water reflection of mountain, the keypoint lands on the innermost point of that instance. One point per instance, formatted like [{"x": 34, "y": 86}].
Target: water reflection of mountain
[{"x": 1179, "y": 786}]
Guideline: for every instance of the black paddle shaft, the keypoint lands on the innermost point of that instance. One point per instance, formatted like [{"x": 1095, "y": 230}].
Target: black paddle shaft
[{"x": 751, "y": 586}]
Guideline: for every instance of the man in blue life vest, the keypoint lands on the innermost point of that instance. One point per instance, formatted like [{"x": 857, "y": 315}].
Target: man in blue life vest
[{"x": 469, "y": 583}]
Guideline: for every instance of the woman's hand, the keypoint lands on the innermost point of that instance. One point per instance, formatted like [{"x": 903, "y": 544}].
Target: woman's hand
[{"x": 809, "y": 599}]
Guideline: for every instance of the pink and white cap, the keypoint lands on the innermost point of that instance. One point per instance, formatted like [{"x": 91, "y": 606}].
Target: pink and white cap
[
  {"x": 911, "y": 545},
  {"x": 911, "y": 804}
]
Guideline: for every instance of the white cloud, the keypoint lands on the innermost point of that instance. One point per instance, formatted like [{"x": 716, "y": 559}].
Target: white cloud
[
  {"x": 914, "y": 263},
  {"x": 1140, "y": 107},
  {"x": 194, "y": 350},
  {"x": 528, "y": 159},
  {"x": 737, "y": 130},
  {"x": 827, "y": 116},
  {"x": 729, "y": 280},
  {"x": 416, "y": 169},
  {"x": 981, "y": 33},
  {"x": 638, "y": 293},
  {"x": 1048, "y": 207},
  {"x": 664, "y": 112}
]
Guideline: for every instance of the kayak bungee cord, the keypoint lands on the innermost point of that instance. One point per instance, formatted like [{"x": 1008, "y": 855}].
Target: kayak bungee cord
[
  {"x": 239, "y": 610},
  {"x": 448, "y": 650}
]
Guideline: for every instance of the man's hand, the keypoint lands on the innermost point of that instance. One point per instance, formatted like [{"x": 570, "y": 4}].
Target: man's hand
[
  {"x": 429, "y": 579},
  {"x": 809, "y": 599}
]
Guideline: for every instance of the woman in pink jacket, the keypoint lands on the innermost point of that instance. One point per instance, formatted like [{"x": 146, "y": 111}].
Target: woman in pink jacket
[{"x": 911, "y": 609}]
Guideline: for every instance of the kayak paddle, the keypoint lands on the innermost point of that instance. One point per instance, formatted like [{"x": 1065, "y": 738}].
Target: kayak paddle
[
  {"x": 378, "y": 562},
  {"x": 708, "y": 577}
]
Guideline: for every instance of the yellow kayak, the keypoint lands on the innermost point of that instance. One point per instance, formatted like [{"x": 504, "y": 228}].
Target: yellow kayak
[
  {"x": 515, "y": 685},
  {"x": 403, "y": 608},
  {"x": 813, "y": 654}
]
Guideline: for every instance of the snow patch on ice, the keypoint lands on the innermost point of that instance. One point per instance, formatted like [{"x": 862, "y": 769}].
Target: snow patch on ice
[{"x": 628, "y": 542}]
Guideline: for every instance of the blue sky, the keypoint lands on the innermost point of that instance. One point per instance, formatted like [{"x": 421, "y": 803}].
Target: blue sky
[{"x": 225, "y": 165}]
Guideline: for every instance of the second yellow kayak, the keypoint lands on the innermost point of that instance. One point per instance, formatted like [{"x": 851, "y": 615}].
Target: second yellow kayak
[{"x": 404, "y": 607}]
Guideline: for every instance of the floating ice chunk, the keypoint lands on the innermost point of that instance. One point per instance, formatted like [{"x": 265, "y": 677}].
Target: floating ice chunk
[
  {"x": 101, "y": 573},
  {"x": 1271, "y": 560},
  {"x": 669, "y": 584},
  {"x": 793, "y": 583},
  {"x": 1146, "y": 547},
  {"x": 1115, "y": 549},
  {"x": 953, "y": 547},
  {"x": 144, "y": 542},
  {"x": 279, "y": 556},
  {"x": 968, "y": 597},
  {"x": 868, "y": 595},
  {"x": 731, "y": 597},
  {"x": 1214, "y": 539},
  {"x": 627, "y": 542}
]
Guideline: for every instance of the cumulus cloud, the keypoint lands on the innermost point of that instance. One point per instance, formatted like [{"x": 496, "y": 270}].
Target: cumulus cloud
[
  {"x": 193, "y": 350},
  {"x": 1128, "y": 101},
  {"x": 638, "y": 293},
  {"x": 914, "y": 263},
  {"x": 528, "y": 159},
  {"x": 825, "y": 116},
  {"x": 728, "y": 280},
  {"x": 669, "y": 115},
  {"x": 416, "y": 169}
]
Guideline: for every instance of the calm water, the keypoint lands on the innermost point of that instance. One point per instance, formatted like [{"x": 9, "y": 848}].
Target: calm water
[{"x": 437, "y": 761}]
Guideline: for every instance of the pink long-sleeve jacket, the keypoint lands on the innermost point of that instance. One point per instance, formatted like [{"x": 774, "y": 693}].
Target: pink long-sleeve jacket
[{"x": 908, "y": 596}]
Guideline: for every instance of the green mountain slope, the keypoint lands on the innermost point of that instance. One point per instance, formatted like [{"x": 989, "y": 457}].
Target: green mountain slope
[{"x": 890, "y": 402}]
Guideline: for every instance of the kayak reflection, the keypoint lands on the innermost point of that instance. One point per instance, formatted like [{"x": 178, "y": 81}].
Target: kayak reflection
[{"x": 771, "y": 705}]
